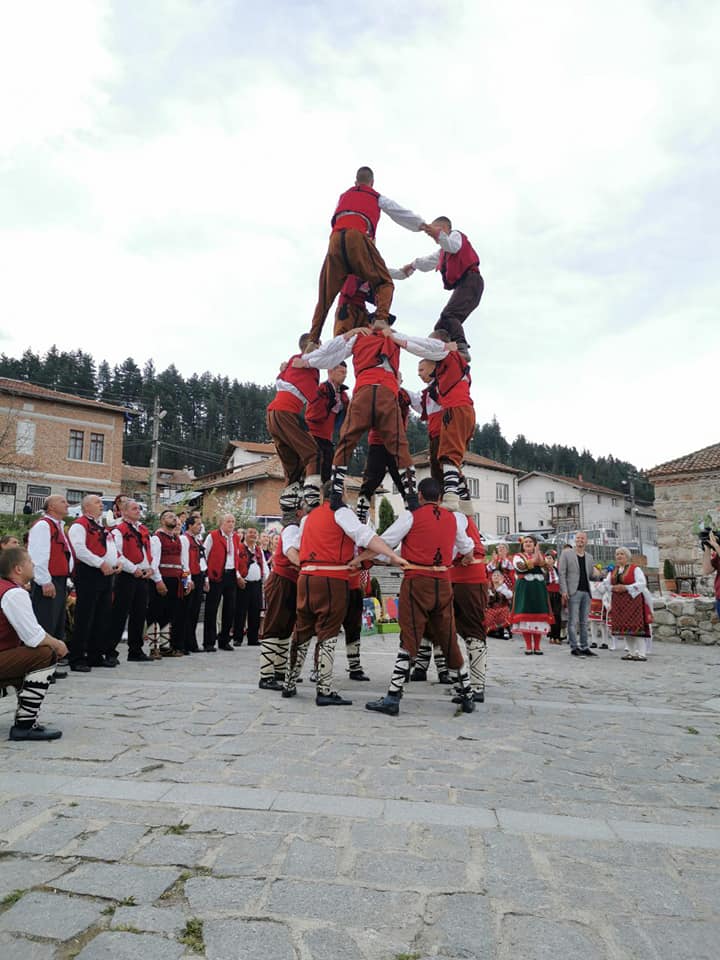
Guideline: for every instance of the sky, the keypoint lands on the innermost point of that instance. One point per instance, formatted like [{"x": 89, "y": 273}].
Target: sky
[{"x": 168, "y": 170}]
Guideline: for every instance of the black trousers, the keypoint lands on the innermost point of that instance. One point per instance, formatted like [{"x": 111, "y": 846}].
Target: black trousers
[
  {"x": 169, "y": 609},
  {"x": 326, "y": 452},
  {"x": 556, "y": 607},
  {"x": 92, "y": 614},
  {"x": 192, "y": 611},
  {"x": 130, "y": 603},
  {"x": 224, "y": 590},
  {"x": 379, "y": 462},
  {"x": 50, "y": 611},
  {"x": 463, "y": 300},
  {"x": 248, "y": 606}
]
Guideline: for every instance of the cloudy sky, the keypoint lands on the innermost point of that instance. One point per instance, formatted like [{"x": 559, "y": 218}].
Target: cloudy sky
[{"x": 169, "y": 168}]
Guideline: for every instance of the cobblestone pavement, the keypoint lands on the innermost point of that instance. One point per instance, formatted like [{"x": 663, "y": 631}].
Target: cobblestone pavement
[{"x": 574, "y": 815}]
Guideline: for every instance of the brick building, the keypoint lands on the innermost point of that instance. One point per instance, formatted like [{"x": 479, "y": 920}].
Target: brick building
[{"x": 54, "y": 442}]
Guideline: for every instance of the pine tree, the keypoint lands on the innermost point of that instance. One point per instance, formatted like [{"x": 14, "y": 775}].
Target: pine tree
[{"x": 386, "y": 515}]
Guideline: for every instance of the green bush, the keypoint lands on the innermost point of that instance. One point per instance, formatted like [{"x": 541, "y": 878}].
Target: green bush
[{"x": 668, "y": 570}]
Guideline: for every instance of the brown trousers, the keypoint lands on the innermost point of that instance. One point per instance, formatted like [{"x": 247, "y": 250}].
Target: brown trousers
[
  {"x": 280, "y": 604},
  {"x": 463, "y": 300},
  {"x": 425, "y": 607},
  {"x": 322, "y": 603},
  {"x": 296, "y": 448},
  {"x": 456, "y": 432},
  {"x": 349, "y": 316},
  {"x": 435, "y": 466},
  {"x": 373, "y": 406},
  {"x": 350, "y": 251},
  {"x": 17, "y": 663},
  {"x": 470, "y": 604}
]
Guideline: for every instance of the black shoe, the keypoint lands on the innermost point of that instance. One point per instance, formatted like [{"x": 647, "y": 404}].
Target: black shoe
[
  {"x": 539, "y": 653},
  {"x": 575, "y": 652},
  {"x": 280, "y": 677},
  {"x": 603, "y": 646},
  {"x": 52, "y": 679},
  {"x": 208, "y": 649},
  {"x": 418, "y": 674},
  {"x": 111, "y": 661},
  {"x": 226, "y": 646},
  {"x": 34, "y": 733},
  {"x": 235, "y": 643},
  {"x": 140, "y": 657},
  {"x": 528, "y": 653},
  {"x": 593, "y": 645},
  {"x": 444, "y": 677},
  {"x": 358, "y": 674},
  {"x": 253, "y": 643},
  {"x": 336, "y": 501},
  {"x": 467, "y": 704},
  {"x": 292, "y": 692},
  {"x": 102, "y": 662},
  {"x": 478, "y": 696},
  {"x": 269, "y": 683},
  {"x": 60, "y": 674},
  {"x": 387, "y": 704},
  {"x": 80, "y": 667},
  {"x": 587, "y": 652},
  {"x": 331, "y": 700}
]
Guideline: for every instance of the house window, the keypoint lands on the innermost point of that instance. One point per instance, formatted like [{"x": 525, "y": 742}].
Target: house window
[
  {"x": 75, "y": 447},
  {"x": 502, "y": 492},
  {"x": 74, "y": 496},
  {"x": 519, "y": 500},
  {"x": 250, "y": 506},
  {"x": 10, "y": 489},
  {"x": 613, "y": 501},
  {"x": 25, "y": 437},
  {"x": 549, "y": 496},
  {"x": 97, "y": 447},
  {"x": 473, "y": 486},
  {"x": 250, "y": 485},
  {"x": 477, "y": 520},
  {"x": 503, "y": 525},
  {"x": 36, "y": 494}
]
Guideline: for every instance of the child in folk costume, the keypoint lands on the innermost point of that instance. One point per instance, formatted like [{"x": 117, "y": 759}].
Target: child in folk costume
[
  {"x": 630, "y": 605},
  {"x": 497, "y": 615},
  {"x": 531, "y": 615},
  {"x": 552, "y": 582},
  {"x": 501, "y": 561},
  {"x": 598, "y": 616}
]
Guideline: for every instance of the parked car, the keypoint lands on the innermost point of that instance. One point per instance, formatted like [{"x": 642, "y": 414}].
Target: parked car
[{"x": 602, "y": 536}]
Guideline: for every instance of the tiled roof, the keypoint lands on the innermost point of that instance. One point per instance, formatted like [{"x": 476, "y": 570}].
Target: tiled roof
[
  {"x": 165, "y": 474},
  {"x": 22, "y": 388},
  {"x": 259, "y": 470},
  {"x": 575, "y": 482},
  {"x": 698, "y": 462},
  {"x": 253, "y": 447},
  {"x": 474, "y": 459}
]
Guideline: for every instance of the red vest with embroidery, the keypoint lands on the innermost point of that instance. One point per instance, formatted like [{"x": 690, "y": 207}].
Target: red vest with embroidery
[
  {"x": 170, "y": 565},
  {"x": 432, "y": 418},
  {"x": 325, "y": 542},
  {"x": 430, "y": 541},
  {"x": 9, "y": 639},
  {"x": 476, "y": 572},
  {"x": 454, "y": 266},
  {"x": 368, "y": 355},
  {"x": 626, "y": 577},
  {"x": 95, "y": 536},
  {"x": 135, "y": 542},
  {"x": 280, "y": 563},
  {"x": 195, "y": 551},
  {"x": 60, "y": 550},
  {"x": 304, "y": 379},
  {"x": 357, "y": 209},
  {"x": 218, "y": 555},
  {"x": 452, "y": 376}
]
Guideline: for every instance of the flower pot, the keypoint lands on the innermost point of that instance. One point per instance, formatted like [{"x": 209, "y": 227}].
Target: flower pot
[{"x": 388, "y": 628}]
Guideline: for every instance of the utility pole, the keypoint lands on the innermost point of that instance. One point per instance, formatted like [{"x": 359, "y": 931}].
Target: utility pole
[{"x": 154, "y": 455}]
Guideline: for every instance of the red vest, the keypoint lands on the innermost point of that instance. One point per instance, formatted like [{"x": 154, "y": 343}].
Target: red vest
[
  {"x": 628, "y": 575},
  {"x": 356, "y": 291},
  {"x": 60, "y": 550},
  {"x": 368, "y": 355},
  {"x": 9, "y": 640},
  {"x": 195, "y": 552},
  {"x": 281, "y": 565},
  {"x": 304, "y": 379},
  {"x": 325, "y": 542},
  {"x": 170, "y": 565},
  {"x": 135, "y": 542},
  {"x": 434, "y": 419},
  {"x": 218, "y": 555},
  {"x": 95, "y": 536},
  {"x": 452, "y": 376},
  {"x": 319, "y": 415},
  {"x": 454, "y": 266},
  {"x": 475, "y": 572},
  {"x": 430, "y": 541},
  {"x": 361, "y": 210}
]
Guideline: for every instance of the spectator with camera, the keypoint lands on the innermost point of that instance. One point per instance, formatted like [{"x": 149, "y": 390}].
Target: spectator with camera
[{"x": 711, "y": 562}]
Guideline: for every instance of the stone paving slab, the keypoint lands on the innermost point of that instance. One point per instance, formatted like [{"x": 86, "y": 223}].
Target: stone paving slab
[
  {"x": 115, "y": 945},
  {"x": 118, "y": 881},
  {"x": 50, "y": 915}
]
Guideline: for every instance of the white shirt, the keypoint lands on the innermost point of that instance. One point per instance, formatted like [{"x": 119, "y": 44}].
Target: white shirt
[
  {"x": 78, "y": 538},
  {"x": 360, "y": 533},
  {"x": 449, "y": 242},
  {"x": 187, "y": 537},
  {"x": 230, "y": 558},
  {"x": 426, "y": 347},
  {"x": 256, "y": 571},
  {"x": 17, "y": 607},
  {"x": 396, "y": 533},
  {"x": 156, "y": 550},
  {"x": 39, "y": 549},
  {"x": 127, "y": 565},
  {"x": 290, "y": 537},
  {"x": 401, "y": 215}
]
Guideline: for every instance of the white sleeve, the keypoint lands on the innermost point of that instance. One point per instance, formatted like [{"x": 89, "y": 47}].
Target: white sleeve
[
  {"x": 398, "y": 530},
  {"x": 359, "y": 532},
  {"x": 406, "y": 218},
  {"x": 425, "y": 347},
  {"x": 397, "y": 274},
  {"x": 39, "y": 550},
  {"x": 127, "y": 565},
  {"x": 635, "y": 589},
  {"x": 290, "y": 537},
  {"x": 450, "y": 242},
  {"x": 77, "y": 538},
  {"x": 155, "y": 552},
  {"x": 17, "y": 607},
  {"x": 111, "y": 551},
  {"x": 415, "y": 400},
  {"x": 330, "y": 354},
  {"x": 463, "y": 543},
  {"x": 505, "y": 590},
  {"x": 427, "y": 263},
  {"x": 184, "y": 552}
]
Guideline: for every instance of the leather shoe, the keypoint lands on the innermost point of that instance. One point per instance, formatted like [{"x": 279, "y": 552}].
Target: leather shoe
[
  {"x": 226, "y": 646},
  {"x": 387, "y": 704},
  {"x": 478, "y": 697},
  {"x": 358, "y": 675},
  {"x": 80, "y": 667},
  {"x": 110, "y": 661},
  {"x": 172, "y": 653},
  {"x": 269, "y": 683},
  {"x": 289, "y": 692},
  {"x": 140, "y": 657},
  {"x": 444, "y": 677},
  {"x": 60, "y": 674},
  {"x": 418, "y": 674},
  {"x": 587, "y": 652},
  {"x": 34, "y": 733},
  {"x": 331, "y": 700},
  {"x": 102, "y": 663},
  {"x": 575, "y": 652},
  {"x": 208, "y": 649},
  {"x": 467, "y": 704}
]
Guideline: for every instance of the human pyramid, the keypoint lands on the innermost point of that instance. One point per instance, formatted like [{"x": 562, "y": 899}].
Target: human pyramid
[{"x": 314, "y": 587}]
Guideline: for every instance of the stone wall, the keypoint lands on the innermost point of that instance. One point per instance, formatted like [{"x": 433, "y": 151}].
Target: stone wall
[
  {"x": 679, "y": 503},
  {"x": 685, "y": 620}
]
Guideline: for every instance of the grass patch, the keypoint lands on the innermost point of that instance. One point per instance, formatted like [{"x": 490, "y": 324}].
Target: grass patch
[
  {"x": 178, "y": 828},
  {"x": 73, "y": 803},
  {"x": 126, "y": 928},
  {"x": 108, "y": 911},
  {"x": 407, "y": 956},
  {"x": 693, "y": 730},
  {"x": 128, "y": 902},
  {"x": 192, "y": 935},
  {"x": 11, "y": 898}
]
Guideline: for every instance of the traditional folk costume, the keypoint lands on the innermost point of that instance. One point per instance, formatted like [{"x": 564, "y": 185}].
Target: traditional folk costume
[
  {"x": 470, "y": 595},
  {"x": 171, "y": 566},
  {"x": 430, "y": 412},
  {"x": 325, "y": 412},
  {"x": 506, "y": 568},
  {"x": 531, "y": 613},
  {"x": 459, "y": 267},
  {"x": 631, "y": 610},
  {"x": 351, "y": 310},
  {"x": 93, "y": 546},
  {"x": 552, "y": 582},
  {"x": 497, "y": 615},
  {"x": 429, "y": 536},
  {"x": 52, "y": 558},
  {"x": 26, "y": 663},
  {"x": 352, "y": 250},
  {"x": 224, "y": 568},
  {"x": 327, "y": 544},
  {"x": 281, "y": 608},
  {"x": 131, "y": 593},
  {"x": 248, "y": 602},
  {"x": 352, "y": 628},
  {"x": 197, "y": 565},
  {"x": 380, "y": 461},
  {"x": 598, "y": 616}
]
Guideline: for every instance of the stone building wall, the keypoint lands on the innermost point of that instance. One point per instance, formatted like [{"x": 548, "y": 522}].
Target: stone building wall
[
  {"x": 685, "y": 620},
  {"x": 679, "y": 503}
]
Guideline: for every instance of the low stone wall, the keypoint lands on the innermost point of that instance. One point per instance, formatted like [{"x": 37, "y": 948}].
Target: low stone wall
[{"x": 685, "y": 620}]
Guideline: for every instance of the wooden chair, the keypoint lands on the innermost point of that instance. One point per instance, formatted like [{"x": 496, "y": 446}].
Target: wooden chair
[{"x": 685, "y": 573}]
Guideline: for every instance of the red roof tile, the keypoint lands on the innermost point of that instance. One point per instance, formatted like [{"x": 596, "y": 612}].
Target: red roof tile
[{"x": 698, "y": 462}]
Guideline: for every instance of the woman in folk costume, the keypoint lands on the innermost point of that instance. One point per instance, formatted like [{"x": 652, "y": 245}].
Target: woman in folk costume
[
  {"x": 630, "y": 605},
  {"x": 598, "y": 616},
  {"x": 497, "y": 615},
  {"x": 501, "y": 561},
  {"x": 552, "y": 582},
  {"x": 531, "y": 615}
]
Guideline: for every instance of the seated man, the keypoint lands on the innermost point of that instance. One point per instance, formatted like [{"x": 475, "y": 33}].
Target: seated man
[{"x": 27, "y": 654}]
